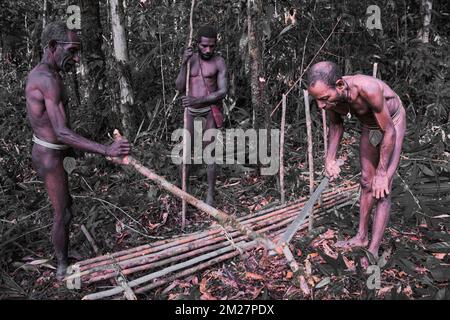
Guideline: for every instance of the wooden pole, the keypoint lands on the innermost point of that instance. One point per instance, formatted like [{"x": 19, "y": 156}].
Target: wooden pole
[
  {"x": 185, "y": 133},
  {"x": 325, "y": 132},
  {"x": 283, "y": 122},
  {"x": 310, "y": 152},
  {"x": 375, "y": 69}
]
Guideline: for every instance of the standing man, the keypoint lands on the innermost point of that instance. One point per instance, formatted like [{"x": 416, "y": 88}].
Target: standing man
[
  {"x": 383, "y": 120},
  {"x": 46, "y": 102},
  {"x": 208, "y": 86}
]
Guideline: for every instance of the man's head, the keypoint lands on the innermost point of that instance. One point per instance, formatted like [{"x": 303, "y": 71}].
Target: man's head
[
  {"x": 206, "y": 39},
  {"x": 62, "y": 44},
  {"x": 325, "y": 84}
]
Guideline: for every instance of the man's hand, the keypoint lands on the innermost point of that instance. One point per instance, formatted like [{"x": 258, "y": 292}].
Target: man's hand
[
  {"x": 187, "y": 54},
  {"x": 117, "y": 151},
  {"x": 332, "y": 169},
  {"x": 380, "y": 186},
  {"x": 187, "y": 101}
]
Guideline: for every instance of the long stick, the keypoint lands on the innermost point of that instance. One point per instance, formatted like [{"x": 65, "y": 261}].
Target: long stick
[
  {"x": 193, "y": 248},
  {"x": 375, "y": 69},
  {"x": 310, "y": 152},
  {"x": 325, "y": 132},
  {"x": 163, "y": 245},
  {"x": 283, "y": 122},
  {"x": 185, "y": 133},
  {"x": 329, "y": 198}
]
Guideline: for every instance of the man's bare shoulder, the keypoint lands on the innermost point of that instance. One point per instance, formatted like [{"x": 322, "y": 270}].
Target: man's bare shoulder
[
  {"x": 367, "y": 85},
  {"x": 220, "y": 61},
  {"x": 43, "y": 79}
]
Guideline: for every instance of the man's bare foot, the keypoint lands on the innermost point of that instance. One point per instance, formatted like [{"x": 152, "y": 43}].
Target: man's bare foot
[
  {"x": 355, "y": 242},
  {"x": 61, "y": 271}
]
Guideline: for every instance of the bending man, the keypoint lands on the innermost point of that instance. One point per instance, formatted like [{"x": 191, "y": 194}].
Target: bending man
[{"x": 383, "y": 120}]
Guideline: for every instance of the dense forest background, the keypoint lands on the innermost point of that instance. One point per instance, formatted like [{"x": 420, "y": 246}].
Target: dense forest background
[{"x": 130, "y": 59}]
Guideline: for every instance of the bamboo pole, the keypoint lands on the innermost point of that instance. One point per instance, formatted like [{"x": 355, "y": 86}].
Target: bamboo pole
[
  {"x": 164, "y": 245},
  {"x": 283, "y": 122},
  {"x": 325, "y": 132},
  {"x": 192, "y": 249},
  {"x": 310, "y": 152},
  {"x": 185, "y": 133},
  {"x": 205, "y": 261}
]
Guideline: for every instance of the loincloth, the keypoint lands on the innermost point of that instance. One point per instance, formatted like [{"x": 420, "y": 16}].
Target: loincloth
[
  {"x": 375, "y": 134},
  {"x": 199, "y": 112},
  {"x": 49, "y": 145}
]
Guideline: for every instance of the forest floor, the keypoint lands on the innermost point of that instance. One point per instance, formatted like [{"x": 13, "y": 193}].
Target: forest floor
[{"x": 121, "y": 209}]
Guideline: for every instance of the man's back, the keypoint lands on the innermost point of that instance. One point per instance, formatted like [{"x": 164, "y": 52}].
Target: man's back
[{"x": 37, "y": 87}]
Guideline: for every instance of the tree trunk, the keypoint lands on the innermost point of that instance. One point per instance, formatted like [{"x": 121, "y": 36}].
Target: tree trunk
[
  {"x": 121, "y": 55},
  {"x": 257, "y": 74},
  {"x": 93, "y": 63},
  {"x": 425, "y": 31}
]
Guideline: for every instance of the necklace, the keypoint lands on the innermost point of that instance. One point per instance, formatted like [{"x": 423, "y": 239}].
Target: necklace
[{"x": 349, "y": 115}]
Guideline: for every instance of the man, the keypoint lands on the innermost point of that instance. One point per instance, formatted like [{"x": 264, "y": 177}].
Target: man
[
  {"x": 46, "y": 102},
  {"x": 207, "y": 88},
  {"x": 383, "y": 120}
]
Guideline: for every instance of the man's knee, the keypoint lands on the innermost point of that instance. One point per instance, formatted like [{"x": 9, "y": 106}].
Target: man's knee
[{"x": 366, "y": 182}]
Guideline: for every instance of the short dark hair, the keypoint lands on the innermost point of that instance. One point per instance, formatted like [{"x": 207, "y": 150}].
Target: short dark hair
[
  {"x": 54, "y": 31},
  {"x": 207, "y": 32},
  {"x": 326, "y": 71}
]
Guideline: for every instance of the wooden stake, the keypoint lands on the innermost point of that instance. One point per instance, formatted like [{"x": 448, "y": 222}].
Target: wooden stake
[
  {"x": 185, "y": 134},
  {"x": 283, "y": 122},
  {"x": 375, "y": 69},
  {"x": 310, "y": 152},
  {"x": 325, "y": 132}
]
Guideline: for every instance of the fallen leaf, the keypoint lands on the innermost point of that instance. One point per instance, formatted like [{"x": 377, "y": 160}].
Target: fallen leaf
[
  {"x": 323, "y": 283},
  {"x": 329, "y": 234},
  {"x": 304, "y": 286},
  {"x": 253, "y": 276},
  {"x": 384, "y": 290},
  {"x": 289, "y": 275},
  {"x": 439, "y": 256}
]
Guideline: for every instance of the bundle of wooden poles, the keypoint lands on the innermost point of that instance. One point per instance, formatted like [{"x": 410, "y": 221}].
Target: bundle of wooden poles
[{"x": 166, "y": 260}]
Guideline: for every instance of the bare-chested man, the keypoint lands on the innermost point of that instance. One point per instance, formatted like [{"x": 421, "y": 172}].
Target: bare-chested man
[
  {"x": 383, "y": 121},
  {"x": 207, "y": 88},
  {"x": 46, "y": 103}
]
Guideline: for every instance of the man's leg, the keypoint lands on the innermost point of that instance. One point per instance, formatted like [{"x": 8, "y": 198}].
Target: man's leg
[
  {"x": 381, "y": 217},
  {"x": 369, "y": 156},
  {"x": 211, "y": 169},
  {"x": 50, "y": 167}
]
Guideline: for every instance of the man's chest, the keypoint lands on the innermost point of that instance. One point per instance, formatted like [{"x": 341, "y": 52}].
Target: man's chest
[
  {"x": 207, "y": 70},
  {"x": 359, "y": 108}
]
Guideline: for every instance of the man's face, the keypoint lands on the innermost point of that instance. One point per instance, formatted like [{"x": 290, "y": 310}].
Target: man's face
[
  {"x": 67, "y": 54},
  {"x": 327, "y": 97},
  {"x": 206, "y": 47}
]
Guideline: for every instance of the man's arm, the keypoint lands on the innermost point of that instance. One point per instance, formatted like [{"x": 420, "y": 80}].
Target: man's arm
[
  {"x": 332, "y": 169},
  {"x": 55, "y": 110},
  {"x": 335, "y": 135},
  {"x": 213, "y": 97},
  {"x": 373, "y": 94}
]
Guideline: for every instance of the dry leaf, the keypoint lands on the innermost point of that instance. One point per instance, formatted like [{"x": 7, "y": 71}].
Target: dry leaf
[
  {"x": 304, "y": 286},
  {"x": 289, "y": 275},
  {"x": 253, "y": 276}
]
